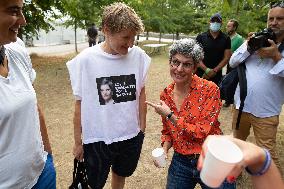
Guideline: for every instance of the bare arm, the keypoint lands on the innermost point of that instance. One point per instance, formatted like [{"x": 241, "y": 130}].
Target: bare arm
[
  {"x": 202, "y": 65},
  {"x": 224, "y": 61},
  {"x": 142, "y": 110},
  {"x": 213, "y": 72},
  {"x": 271, "y": 179},
  {"x": 166, "y": 146},
  {"x": 78, "y": 146},
  {"x": 43, "y": 131},
  {"x": 253, "y": 158}
]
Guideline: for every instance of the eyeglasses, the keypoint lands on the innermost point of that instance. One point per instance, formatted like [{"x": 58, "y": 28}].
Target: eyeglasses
[
  {"x": 176, "y": 63},
  {"x": 277, "y": 4}
]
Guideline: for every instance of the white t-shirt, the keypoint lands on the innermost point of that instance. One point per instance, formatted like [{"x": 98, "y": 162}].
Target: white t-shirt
[
  {"x": 115, "y": 121},
  {"x": 22, "y": 156}
]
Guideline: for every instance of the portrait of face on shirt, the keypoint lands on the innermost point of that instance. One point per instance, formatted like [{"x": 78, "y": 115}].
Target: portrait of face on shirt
[{"x": 116, "y": 89}]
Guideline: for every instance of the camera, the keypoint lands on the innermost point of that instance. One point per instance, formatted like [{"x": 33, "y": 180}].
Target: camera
[{"x": 260, "y": 39}]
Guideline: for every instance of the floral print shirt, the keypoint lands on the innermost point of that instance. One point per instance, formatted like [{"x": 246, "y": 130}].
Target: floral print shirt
[{"x": 197, "y": 117}]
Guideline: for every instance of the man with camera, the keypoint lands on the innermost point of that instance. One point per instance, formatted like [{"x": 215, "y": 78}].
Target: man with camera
[{"x": 264, "y": 62}]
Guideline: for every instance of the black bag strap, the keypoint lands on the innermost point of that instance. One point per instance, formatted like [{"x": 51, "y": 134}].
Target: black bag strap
[
  {"x": 79, "y": 175},
  {"x": 75, "y": 182},
  {"x": 243, "y": 89},
  {"x": 75, "y": 168}
]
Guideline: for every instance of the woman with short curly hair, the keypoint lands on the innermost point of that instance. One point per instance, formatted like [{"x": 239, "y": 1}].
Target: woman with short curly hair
[{"x": 189, "y": 108}]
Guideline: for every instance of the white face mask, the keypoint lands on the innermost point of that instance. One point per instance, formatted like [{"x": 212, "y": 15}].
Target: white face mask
[{"x": 215, "y": 26}]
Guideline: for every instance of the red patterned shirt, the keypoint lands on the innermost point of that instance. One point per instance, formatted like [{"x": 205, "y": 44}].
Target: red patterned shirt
[{"x": 197, "y": 118}]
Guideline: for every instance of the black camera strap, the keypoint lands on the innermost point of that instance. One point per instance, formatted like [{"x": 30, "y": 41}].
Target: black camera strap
[{"x": 243, "y": 89}]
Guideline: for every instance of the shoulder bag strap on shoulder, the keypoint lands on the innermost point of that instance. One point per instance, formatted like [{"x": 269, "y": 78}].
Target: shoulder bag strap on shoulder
[{"x": 243, "y": 90}]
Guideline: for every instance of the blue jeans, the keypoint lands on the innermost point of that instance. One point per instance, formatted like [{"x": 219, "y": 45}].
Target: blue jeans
[
  {"x": 47, "y": 179},
  {"x": 183, "y": 174}
]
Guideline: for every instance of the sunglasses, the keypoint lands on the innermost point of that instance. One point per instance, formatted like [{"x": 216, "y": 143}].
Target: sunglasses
[{"x": 277, "y": 4}]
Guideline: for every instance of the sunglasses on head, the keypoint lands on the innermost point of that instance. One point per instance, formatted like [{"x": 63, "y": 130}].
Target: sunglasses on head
[{"x": 277, "y": 4}]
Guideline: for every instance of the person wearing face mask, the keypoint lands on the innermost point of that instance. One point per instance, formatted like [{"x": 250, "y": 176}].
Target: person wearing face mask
[{"x": 217, "y": 50}]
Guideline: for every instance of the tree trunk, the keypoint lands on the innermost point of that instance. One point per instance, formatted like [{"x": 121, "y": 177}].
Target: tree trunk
[
  {"x": 177, "y": 35},
  {"x": 147, "y": 35},
  {"x": 160, "y": 37},
  {"x": 75, "y": 27}
]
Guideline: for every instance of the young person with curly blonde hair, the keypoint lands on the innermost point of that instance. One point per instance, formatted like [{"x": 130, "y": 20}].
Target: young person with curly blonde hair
[{"x": 112, "y": 135}]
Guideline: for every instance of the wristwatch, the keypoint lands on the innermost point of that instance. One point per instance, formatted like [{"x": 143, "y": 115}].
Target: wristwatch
[{"x": 169, "y": 115}]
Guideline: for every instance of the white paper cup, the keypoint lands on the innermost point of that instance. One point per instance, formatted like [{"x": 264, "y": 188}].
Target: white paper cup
[
  {"x": 220, "y": 159},
  {"x": 159, "y": 156}
]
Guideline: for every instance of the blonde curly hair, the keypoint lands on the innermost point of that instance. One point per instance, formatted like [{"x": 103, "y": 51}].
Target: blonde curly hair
[{"x": 118, "y": 16}]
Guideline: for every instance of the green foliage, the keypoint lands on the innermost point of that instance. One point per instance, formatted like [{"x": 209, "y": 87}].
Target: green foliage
[
  {"x": 85, "y": 12},
  {"x": 251, "y": 14},
  {"x": 163, "y": 16},
  {"x": 172, "y": 16},
  {"x": 38, "y": 15}
]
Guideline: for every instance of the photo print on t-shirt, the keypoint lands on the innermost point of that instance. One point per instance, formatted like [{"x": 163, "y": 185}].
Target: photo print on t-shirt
[{"x": 116, "y": 89}]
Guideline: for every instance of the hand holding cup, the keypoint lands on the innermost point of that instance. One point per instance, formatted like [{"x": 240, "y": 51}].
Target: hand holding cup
[{"x": 159, "y": 157}]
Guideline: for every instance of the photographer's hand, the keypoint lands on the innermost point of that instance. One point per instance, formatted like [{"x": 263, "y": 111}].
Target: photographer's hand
[
  {"x": 270, "y": 52},
  {"x": 250, "y": 35}
]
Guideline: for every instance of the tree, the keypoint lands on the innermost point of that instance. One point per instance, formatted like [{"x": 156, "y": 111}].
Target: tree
[
  {"x": 38, "y": 15},
  {"x": 83, "y": 13},
  {"x": 251, "y": 14}
]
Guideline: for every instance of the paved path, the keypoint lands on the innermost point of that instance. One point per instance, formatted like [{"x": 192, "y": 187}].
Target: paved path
[{"x": 57, "y": 50}]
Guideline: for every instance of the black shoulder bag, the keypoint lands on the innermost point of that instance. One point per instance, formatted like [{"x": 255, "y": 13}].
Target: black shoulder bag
[
  {"x": 80, "y": 180},
  {"x": 229, "y": 84}
]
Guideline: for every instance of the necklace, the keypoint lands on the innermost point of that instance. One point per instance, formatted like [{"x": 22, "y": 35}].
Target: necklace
[{"x": 2, "y": 55}]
